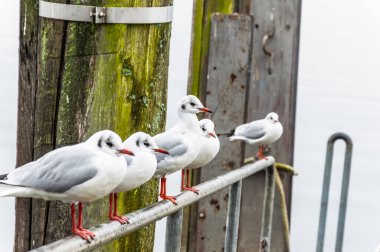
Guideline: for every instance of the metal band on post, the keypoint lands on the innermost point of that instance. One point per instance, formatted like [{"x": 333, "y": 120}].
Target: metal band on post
[{"x": 109, "y": 15}]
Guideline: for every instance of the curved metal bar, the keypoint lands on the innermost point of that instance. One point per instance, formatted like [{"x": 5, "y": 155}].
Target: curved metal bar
[
  {"x": 326, "y": 188},
  {"x": 268, "y": 51}
]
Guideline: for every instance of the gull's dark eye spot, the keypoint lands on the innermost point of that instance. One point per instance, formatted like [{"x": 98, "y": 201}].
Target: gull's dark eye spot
[
  {"x": 109, "y": 144},
  {"x": 203, "y": 128},
  {"x": 146, "y": 144},
  {"x": 183, "y": 106},
  {"x": 192, "y": 104},
  {"x": 271, "y": 118}
]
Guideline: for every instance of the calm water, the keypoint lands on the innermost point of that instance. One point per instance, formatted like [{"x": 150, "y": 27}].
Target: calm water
[{"x": 338, "y": 91}]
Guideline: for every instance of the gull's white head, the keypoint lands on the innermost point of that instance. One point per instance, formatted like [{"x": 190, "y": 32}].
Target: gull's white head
[
  {"x": 144, "y": 142},
  {"x": 108, "y": 142},
  {"x": 272, "y": 117},
  {"x": 191, "y": 104},
  {"x": 207, "y": 128}
]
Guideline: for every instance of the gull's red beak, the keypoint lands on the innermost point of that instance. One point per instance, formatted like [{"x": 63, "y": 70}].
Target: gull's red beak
[
  {"x": 161, "y": 151},
  {"x": 212, "y": 134},
  {"x": 126, "y": 151},
  {"x": 205, "y": 110}
]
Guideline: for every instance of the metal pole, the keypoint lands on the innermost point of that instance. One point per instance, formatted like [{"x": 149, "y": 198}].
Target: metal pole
[
  {"x": 173, "y": 232},
  {"x": 326, "y": 189},
  {"x": 233, "y": 214},
  {"x": 266, "y": 226},
  {"x": 108, "y": 232},
  {"x": 344, "y": 192}
]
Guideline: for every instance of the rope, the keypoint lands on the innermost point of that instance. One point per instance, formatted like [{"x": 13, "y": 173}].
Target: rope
[{"x": 284, "y": 210}]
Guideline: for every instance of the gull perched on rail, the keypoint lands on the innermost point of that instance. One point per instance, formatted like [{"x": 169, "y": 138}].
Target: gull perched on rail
[
  {"x": 261, "y": 132},
  {"x": 83, "y": 172},
  {"x": 209, "y": 149},
  {"x": 141, "y": 168},
  {"x": 182, "y": 141}
]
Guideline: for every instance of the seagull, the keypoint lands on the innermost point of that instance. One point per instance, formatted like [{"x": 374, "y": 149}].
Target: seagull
[
  {"x": 264, "y": 131},
  {"x": 182, "y": 141},
  {"x": 209, "y": 148},
  {"x": 83, "y": 172},
  {"x": 140, "y": 168}
]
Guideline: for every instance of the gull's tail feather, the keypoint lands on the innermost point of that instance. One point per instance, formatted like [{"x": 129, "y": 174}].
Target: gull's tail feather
[
  {"x": 9, "y": 190},
  {"x": 237, "y": 138},
  {"x": 3, "y": 176}
]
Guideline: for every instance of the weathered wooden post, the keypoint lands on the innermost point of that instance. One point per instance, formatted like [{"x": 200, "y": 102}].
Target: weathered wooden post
[
  {"x": 78, "y": 78},
  {"x": 271, "y": 86}
]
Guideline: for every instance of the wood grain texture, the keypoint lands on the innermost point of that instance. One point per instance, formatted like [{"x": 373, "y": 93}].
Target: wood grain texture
[
  {"x": 51, "y": 37},
  {"x": 228, "y": 75},
  {"x": 271, "y": 92},
  {"x": 90, "y": 78},
  {"x": 200, "y": 40},
  {"x": 25, "y": 116},
  {"x": 198, "y": 67}
]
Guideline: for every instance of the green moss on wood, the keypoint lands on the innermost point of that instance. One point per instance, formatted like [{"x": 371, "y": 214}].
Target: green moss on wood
[
  {"x": 111, "y": 77},
  {"x": 201, "y": 38}
]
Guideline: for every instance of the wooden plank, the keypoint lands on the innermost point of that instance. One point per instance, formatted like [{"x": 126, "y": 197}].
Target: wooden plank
[
  {"x": 271, "y": 92},
  {"x": 200, "y": 40},
  {"x": 25, "y": 117},
  {"x": 228, "y": 75},
  {"x": 51, "y": 36}
]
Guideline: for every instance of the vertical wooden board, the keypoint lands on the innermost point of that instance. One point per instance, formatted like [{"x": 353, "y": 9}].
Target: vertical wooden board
[
  {"x": 228, "y": 74},
  {"x": 25, "y": 116},
  {"x": 271, "y": 92},
  {"x": 202, "y": 12},
  {"x": 50, "y": 48}
]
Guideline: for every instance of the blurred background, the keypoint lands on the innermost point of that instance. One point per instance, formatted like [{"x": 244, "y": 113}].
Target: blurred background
[{"x": 338, "y": 91}]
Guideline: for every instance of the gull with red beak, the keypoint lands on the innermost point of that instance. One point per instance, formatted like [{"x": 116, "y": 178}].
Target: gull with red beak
[
  {"x": 209, "y": 149},
  {"x": 182, "y": 141},
  {"x": 261, "y": 132},
  {"x": 140, "y": 168},
  {"x": 79, "y": 173}
]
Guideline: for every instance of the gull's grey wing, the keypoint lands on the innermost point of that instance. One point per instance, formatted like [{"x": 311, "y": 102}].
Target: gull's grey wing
[
  {"x": 174, "y": 144},
  {"x": 57, "y": 172},
  {"x": 253, "y": 130}
]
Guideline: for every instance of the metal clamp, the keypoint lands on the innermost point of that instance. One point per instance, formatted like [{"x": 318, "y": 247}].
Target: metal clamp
[{"x": 110, "y": 15}]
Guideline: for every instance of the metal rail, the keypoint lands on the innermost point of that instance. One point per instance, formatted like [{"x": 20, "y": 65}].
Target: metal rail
[
  {"x": 326, "y": 189},
  {"x": 108, "y": 232}
]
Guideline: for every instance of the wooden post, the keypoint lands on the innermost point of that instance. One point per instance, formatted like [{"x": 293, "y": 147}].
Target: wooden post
[
  {"x": 275, "y": 91},
  {"x": 200, "y": 40},
  {"x": 90, "y": 77},
  {"x": 266, "y": 92},
  {"x": 228, "y": 76}
]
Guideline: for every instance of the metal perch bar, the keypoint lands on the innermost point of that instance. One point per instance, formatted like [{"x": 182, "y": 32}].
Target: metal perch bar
[{"x": 108, "y": 232}]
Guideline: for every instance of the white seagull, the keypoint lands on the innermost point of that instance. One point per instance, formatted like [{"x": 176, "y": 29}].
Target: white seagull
[
  {"x": 264, "y": 131},
  {"x": 141, "y": 168},
  {"x": 83, "y": 172},
  {"x": 209, "y": 149},
  {"x": 182, "y": 141}
]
